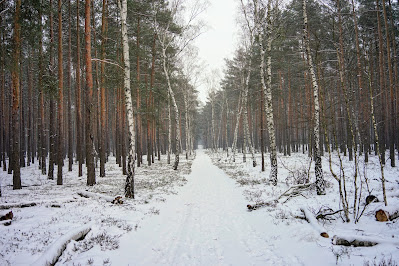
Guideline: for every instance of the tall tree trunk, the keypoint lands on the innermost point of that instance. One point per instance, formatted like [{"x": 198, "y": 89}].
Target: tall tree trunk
[
  {"x": 377, "y": 142},
  {"x": 341, "y": 64},
  {"x": 320, "y": 183},
  {"x": 69, "y": 67},
  {"x": 129, "y": 186},
  {"x": 392, "y": 137},
  {"x": 91, "y": 178},
  {"x": 267, "y": 88},
  {"x": 138, "y": 103},
  {"x": 382, "y": 82},
  {"x": 30, "y": 111},
  {"x": 60, "y": 138},
  {"x": 52, "y": 123},
  {"x": 103, "y": 97},
  {"x": 176, "y": 109},
  {"x": 78, "y": 98},
  {"x": 42, "y": 130},
  {"x": 3, "y": 102},
  {"x": 16, "y": 96}
]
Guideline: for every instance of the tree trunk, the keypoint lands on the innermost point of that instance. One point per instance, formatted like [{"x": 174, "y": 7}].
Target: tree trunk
[
  {"x": 69, "y": 67},
  {"x": 138, "y": 103},
  {"x": 52, "y": 108},
  {"x": 15, "y": 97},
  {"x": 42, "y": 131},
  {"x": 381, "y": 145},
  {"x": 103, "y": 97},
  {"x": 129, "y": 186},
  {"x": 91, "y": 178},
  {"x": 267, "y": 88},
  {"x": 320, "y": 183},
  {"x": 392, "y": 120},
  {"x": 78, "y": 98},
  {"x": 60, "y": 138}
]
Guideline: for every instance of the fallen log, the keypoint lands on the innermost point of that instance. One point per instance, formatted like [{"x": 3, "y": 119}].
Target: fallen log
[
  {"x": 54, "y": 252},
  {"x": 385, "y": 215},
  {"x": 313, "y": 222},
  {"x": 290, "y": 192},
  {"x": 17, "y": 205},
  {"x": 361, "y": 241},
  {"x": 87, "y": 194},
  {"x": 271, "y": 203},
  {"x": 7, "y": 216}
]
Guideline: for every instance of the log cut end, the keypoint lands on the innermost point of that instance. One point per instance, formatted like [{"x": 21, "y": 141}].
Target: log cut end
[
  {"x": 382, "y": 216},
  {"x": 325, "y": 235}
]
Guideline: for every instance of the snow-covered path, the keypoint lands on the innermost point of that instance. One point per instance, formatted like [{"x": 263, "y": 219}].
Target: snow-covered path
[{"x": 205, "y": 224}]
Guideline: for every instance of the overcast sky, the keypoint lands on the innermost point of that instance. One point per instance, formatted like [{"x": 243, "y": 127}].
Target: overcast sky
[{"x": 219, "y": 41}]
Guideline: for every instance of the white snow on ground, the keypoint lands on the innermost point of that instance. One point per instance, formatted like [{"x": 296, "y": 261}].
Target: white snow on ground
[{"x": 197, "y": 218}]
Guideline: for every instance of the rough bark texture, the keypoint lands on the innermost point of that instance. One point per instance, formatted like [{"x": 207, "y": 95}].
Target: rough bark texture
[
  {"x": 60, "y": 154},
  {"x": 69, "y": 67},
  {"x": 102, "y": 90},
  {"x": 91, "y": 178},
  {"x": 267, "y": 87},
  {"x": 78, "y": 98},
  {"x": 129, "y": 185},
  {"x": 176, "y": 109},
  {"x": 15, "y": 97},
  {"x": 320, "y": 183}
]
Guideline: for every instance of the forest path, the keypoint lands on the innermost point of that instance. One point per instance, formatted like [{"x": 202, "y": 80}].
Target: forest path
[{"x": 205, "y": 224}]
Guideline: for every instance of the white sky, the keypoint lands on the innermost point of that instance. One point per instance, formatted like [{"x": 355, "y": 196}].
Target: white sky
[{"x": 220, "y": 40}]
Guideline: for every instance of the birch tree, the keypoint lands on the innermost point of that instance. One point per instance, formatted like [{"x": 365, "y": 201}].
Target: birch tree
[
  {"x": 244, "y": 104},
  {"x": 320, "y": 183},
  {"x": 267, "y": 84},
  {"x": 176, "y": 32},
  {"x": 129, "y": 184}
]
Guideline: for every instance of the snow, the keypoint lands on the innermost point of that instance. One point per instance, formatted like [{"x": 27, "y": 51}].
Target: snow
[
  {"x": 194, "y": 216},
  {"x": 55, "y": 250}
]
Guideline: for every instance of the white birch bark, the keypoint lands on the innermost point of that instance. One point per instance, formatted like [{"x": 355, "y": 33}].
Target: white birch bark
[
  {"x": 187, "y": 126},
  {"x": 129, "y": 185},
  {"x": 169, "y": 130},
  {"x": 213, "y": 130},
  {"x": 176, "y": 109},
  {"x": 320, "y": 183},
  {"x": 267, "y": 87},
  {"x": 247, "y": 136},
  {"x": 234, "y": 145}
]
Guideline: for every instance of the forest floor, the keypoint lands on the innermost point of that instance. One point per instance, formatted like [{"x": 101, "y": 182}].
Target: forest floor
[{"x": 195, "y": 216}]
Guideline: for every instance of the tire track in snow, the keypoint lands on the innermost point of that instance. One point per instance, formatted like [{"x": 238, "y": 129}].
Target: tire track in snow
[{"x": 205, "y": 224}]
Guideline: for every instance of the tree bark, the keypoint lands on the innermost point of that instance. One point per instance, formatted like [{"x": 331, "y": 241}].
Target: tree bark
[
  {"x": 78, "y": 98},
  {"x": 16, "y": 97},
  {"x": 60, "y": 138},
  {"x": 320, "y": 183},
  {"x": 129, "y": 185},
  {"x": 103, "y": 96},
  {"x": 392, "y": 135},
  {"x": 69, "y": 68},
  {"x": 91, "y": 178},
  {"x": 267, "y": 87}
]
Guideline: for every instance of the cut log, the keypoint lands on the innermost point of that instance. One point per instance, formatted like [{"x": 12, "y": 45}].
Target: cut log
[
  {"x": 6, "y": 216},
  {"x": 384, "y": 215},
  {"x": 361, "y": 241},
  {"x": 52, "y": 254},
  {"x": 313, "y": 222}
]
